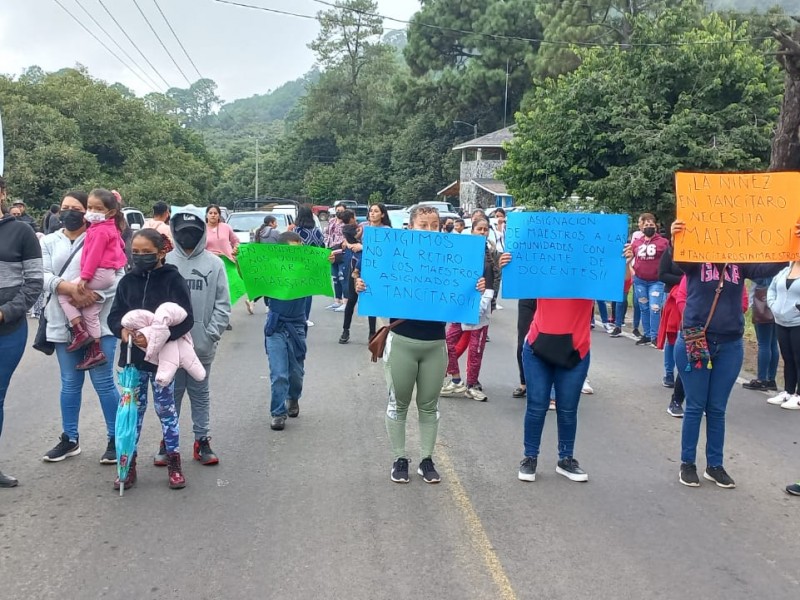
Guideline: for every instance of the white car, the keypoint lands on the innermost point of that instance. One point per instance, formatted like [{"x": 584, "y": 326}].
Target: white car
[
  {"x": 135, "y": 218},
  {"x": 245, "y": 224}
]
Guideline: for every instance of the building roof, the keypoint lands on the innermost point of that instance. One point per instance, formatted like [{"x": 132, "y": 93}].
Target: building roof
[
  {"x": 496, "y": 139},
  {"x": 451, "y": 190},
  {"x": 493, "y": 186}
]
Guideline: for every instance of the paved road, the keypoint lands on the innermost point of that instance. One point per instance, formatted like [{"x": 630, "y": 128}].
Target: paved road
[{"x": 310, "y": 512}]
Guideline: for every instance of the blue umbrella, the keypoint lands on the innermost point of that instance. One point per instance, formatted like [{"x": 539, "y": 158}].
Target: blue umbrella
[{"x": 127, "y": 417}]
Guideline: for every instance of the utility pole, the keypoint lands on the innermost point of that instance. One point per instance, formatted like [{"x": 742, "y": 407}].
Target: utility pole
[
  {"x": 474, "y": 127},
  {"x": 505, "y": 106},
  {"x": 256, "y": 196}
]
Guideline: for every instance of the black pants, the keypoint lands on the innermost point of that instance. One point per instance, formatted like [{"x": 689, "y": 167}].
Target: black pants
[
  {"x": 678, "y": 394},
  {"x": 789, "y": 343},
  {"x": 525, "y": 311},
  {"x": 352, "y": 300}
]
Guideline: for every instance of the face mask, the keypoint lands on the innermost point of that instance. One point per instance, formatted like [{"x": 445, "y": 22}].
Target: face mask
[
  {"x": 94, "y": 217},
  {"x": 72, "y": 220},
  {"x": 188, "y": 238},
  {"x": 649, "y": 231},
  {"x": 448, "y": 228},
  {"x": 145, "y": 262}
]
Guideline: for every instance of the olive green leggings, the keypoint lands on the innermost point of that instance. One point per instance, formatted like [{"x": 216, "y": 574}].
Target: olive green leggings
[{"x": 409, "y": 363}]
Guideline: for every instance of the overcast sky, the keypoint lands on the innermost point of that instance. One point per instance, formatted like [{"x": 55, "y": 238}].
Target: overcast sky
[{"x": 245, "y": 51}]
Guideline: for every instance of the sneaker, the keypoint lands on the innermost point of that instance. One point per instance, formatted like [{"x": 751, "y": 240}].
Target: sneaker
[
  {"x": 552, "y": 405},
  {"x": 758, "y": 385},
  {"x": 110, "y": 455},
  {"x": 498, "y": 307},
  {"x": 527, "y": 469},
  {"x": 428, "y": 471},
  {"x": 644, "y": 341},
  {"x": 668, "y": 381},
  {"x": 345, "y": 337},
  {"x": 587, "y": 389},
  {"x": 340, "y": 308},
  {"x": 519, "y": 392},
  {"x": 616, "y": 332},
  {"x": 688, "y": 475},
  {"x": 793, "y": 403},
  {"x": 636, "y": 332},
  {"x": 609, "y": 327},
  {"x": 476, "y": 393},
  {"x": 793, "y": 489},
  {"x": 293, "y": 408},
  {"x": 64, "y": 449},
  {"x": 7, "y": 481},
  {"x": 202, "y": 452},
  {"x": 675, "y": 409},
  {"x": 719, "y": 476},
  {"x": 400, "y": 471},
  {"x": 160, "y": 458},
  {"x": 772, "y": 385},
  {"x": 332, "y": 306},
  {"x": 780, "y": 398},
  {"x": 309, "y": 323},
  {"x": 278, "y": 423},
  {"x": 451, "y": 388},
  {"x": 569, "y": 468}
]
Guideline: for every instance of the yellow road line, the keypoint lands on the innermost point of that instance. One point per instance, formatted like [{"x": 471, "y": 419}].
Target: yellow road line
[{"x": 477, "y": 533}]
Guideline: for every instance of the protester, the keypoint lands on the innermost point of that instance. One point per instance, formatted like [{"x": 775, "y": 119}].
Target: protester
[
  {"x": 766, "y": 336},
  {"x": 415, "y": 357},
  {"x": 670, "y": 275},
  {"x": 211, "y": 306},
  {"x": 51, "y": 221},
  {"x": 160, "y": 219},
  {"x": 500, "y": 230},
  {"x": 309, "y": 233},
  {"x": 21, "y": 284},
  {"x": 525, "y": 311},
  {"x": 19, "y": 207},
  {"x": 16, "y": 212},
  {"x": 61, "y": 253},
  {"x": 647, "y": 289},
  {"x": 150, "y": 284},
  {"x": 333, "y": 241},
  {"x": 461, "y": 338},
  {"x": 708, "y": 386},
  {"x": 458, "y": 226},
  {"x": 103, "y": 254},
  {"x": 268, "y": 233},
  {"x": 222, "y": 241},
  {"x": 447, "y": 225},
  {"x": 783, "y": 299}
]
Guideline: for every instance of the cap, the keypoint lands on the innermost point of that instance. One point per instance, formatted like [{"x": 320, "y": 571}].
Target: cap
[
  {"x": 186, "y": 220},
  {"x": 17, "y": 203}
]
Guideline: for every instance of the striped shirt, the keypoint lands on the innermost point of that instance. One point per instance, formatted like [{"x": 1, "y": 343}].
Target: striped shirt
[{"x": 21, "y": 275}]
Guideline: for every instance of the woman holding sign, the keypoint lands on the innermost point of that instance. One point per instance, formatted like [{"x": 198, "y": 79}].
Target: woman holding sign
[{"x": 415, "y": 357}]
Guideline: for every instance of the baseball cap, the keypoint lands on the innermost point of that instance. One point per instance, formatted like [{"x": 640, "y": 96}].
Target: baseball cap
[{"x": 186, "y": 220}]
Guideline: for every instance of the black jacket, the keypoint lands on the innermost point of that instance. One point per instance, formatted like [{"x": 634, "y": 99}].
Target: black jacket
[
  {"x": 149, "y": 291},
  {"x": 21, "y": 275},
  {"x": 668, "y": 272}
]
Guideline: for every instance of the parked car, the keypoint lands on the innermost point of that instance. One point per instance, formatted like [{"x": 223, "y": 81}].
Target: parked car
[
  {"x": 134, "y": 217},
  {"x": 245, "y": 224},
  {"x": 445, "y": 209},
  {"x": 361, "y": 211}
]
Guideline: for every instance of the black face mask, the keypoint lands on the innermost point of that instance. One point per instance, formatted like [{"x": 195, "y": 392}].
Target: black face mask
[
  {"x": 649, "y": 231},
  {"x": 72, "y": 220},
  {"x": 448, "y": 228},
  {"x": 145, "y": 262},
  {"x": 188, "y": 239}
]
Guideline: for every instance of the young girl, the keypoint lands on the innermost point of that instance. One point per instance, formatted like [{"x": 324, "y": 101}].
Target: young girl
[
  {"x": 148, "y": 286},
  {"x": 103, "y": 253}
]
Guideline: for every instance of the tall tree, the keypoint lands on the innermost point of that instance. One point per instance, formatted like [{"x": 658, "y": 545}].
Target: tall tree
[{"x": 786, "y": 142}]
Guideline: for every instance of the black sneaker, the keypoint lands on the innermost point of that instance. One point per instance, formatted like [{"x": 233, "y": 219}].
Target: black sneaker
[
  {"x": 688, "y": 475},
  {"x": 110, "y": 455},
  {"x": 7, "y": 481},
  {"x": 719, "y": 476},
  {"x": 400, "y": 471},
  {"x": 616, "y": 332},
  {"x": 675, "y": 409},
  {"x": 772, "y": 385},
  {"x": 636, "y": 333},
  {"x": 293, "y": 408},
  {"x": 64, "y": 449},
  {"x": 428, "y": 471},
  {"x": 345, "y": 337},
  {"x": 527, "y": 469},
  {"x": 668, "y": 381},
  {"x": 758, "y": 385},
  {"x": 569, "y": 468},
  {"x": 644, "y": 341},
  {"x": 278, "y": 423},
  {"x": 793, "y": 489},
  {"x": 203, "y": 453}
]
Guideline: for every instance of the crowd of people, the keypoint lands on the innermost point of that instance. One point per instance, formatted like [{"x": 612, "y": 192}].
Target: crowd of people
[{"x": 158, "y": 298}]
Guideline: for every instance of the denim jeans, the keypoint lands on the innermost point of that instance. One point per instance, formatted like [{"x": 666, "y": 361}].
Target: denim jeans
[
  {"x": 541, "y": 377},
  {"x": 620, "y": 309},
  {"x": 199, "y": 398},
  {"x": 637, "y": 314},
  {"x": 707, "y": 390},
  {"x": 286, "y": 372},
  {"x": 649, "y": 295},
  {"x": 164, "y": 403},
  {"x": 12, "y": 346},
  {"x": 767, "y": 351},
  {"x": 602, "y": 308},
  {"x": 102, "y": 379},
  {"x": 338, "y": 273},
  {"x": 669, "y": 360}
]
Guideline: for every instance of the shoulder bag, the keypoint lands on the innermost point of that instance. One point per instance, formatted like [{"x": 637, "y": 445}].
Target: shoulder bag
[
  {"x": 761, "y": 313},
  {"x": 695, "y": 337},
  {"x": 377, "y": 344},
  {"x": 40, "y": 341}
]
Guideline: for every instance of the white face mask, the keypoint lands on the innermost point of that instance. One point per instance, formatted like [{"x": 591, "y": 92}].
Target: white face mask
[{"x": 94, "y": 217}]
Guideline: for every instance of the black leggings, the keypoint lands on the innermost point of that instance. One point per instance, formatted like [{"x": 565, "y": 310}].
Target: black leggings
[
  {"x": 525, "y": 311},
  {"x": 352, "y": 300},
  {"x": 789, "y": 343}
]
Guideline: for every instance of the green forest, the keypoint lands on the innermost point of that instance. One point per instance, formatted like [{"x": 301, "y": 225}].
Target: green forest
[{"x": 609, "y": 98}]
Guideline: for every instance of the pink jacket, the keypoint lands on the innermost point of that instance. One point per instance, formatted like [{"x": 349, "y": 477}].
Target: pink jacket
[
  {"x": 221, "y": 240},
  {"x": 168, "y": 355},
  {"x": 103, "y": 248}
]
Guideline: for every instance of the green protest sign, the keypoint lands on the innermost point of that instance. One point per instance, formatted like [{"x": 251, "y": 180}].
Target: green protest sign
[
  {"x": 285, "y": 272},
  {"x": 235, "y": 282}
]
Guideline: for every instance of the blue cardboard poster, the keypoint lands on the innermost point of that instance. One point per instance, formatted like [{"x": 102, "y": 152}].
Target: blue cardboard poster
[
  {"x": 565, "y": 255},
  {"x": 422, "y": 275}
]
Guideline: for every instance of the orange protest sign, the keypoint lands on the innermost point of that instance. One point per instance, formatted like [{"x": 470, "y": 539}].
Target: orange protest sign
[{"x": 737, "y": 217}]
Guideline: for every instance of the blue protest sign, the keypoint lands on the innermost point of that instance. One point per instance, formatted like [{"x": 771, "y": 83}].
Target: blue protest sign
[
  {"x": 421, "y": 275},
  {"x": 565, "y": 255}
]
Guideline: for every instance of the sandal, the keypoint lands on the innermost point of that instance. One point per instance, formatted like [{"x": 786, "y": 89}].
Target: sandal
[{"x": 519, "y": 392}]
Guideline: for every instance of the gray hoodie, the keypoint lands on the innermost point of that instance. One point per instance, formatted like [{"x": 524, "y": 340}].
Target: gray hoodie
[
  {"x": 783, "y": 302},
  {"x": 204, "y": 272}
]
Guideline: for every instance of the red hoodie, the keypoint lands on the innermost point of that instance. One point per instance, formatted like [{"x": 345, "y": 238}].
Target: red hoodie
[
  {"x": 647, "y": 256},
  {"x": 564, "y": 316}
]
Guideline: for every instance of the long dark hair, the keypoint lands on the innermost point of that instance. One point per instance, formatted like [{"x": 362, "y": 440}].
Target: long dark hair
[
  {"x": 80, "y": 196},
  {"x": 110, "y": 201},
  {"x": 159, "y": 240},
  {"x": 385, "y": 220},
  {"x": 215, "y": 206},
  {"x": 305, "y": 217}
]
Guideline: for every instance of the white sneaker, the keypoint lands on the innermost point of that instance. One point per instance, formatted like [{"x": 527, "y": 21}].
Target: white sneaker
[
  {"x": 476, "y": 394},
  {"x": 499, "y": 307},
  {"x": 780, "y": 398},
  {"x": 309, "y": 323},
  {"x": 332, "y": 306},
  {"x": 453, "y": 389},
  {"x": 340, "y": 308},
  {"x": 609, "y": 327},
  {"x": 587, "y": 389},
  {"x": 793, "y": 403}
]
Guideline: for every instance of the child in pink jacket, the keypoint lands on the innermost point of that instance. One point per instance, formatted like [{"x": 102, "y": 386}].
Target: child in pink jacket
[{"x": 103, "y": 254}]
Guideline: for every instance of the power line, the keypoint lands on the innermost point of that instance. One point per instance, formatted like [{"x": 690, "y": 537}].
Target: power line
[
  {"x": 125, "y": 33},
  {"x": 99, "y": 41},
  {"x": 265, "y": 9},
  {"x": 117, "y": 44},
  {"x": 177, "y": 39},
  {"x": 146, "y": 20}
]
